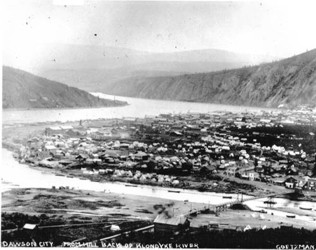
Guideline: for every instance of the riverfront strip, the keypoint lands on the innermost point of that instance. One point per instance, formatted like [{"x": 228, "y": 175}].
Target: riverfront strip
[{"x": 168, "y": 165}]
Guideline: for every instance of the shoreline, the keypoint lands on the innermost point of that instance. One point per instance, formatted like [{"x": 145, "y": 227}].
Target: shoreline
[
  {"x": 122, "y": 181},
  {"x": 189, "y": 101},
  {"x": 60, "y": 172},
  {"x": 237, "y": 184},
  {"x": 16, "y": 135},
  {"x": 95, "y": 204},
  {"x": 66, "y": 108}
]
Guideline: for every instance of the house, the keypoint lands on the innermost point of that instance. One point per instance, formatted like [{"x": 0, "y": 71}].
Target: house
[
  {"x": 310, "y": 184},
  {"x": 253, "y": 175},
  {"x": 284, "y": 163},
  {"x": 248, "y": 173},
  {"x": 301, "y": 181},
  {"x": 231, "y": 171},
  {"x": 290, "y": 182},
  {"x": 82, "y": 157},
  {"x": 165, "y": 223},
  {"x": 279, "y": 181},
  {"x": 50, "y": 148},
  {"x": 30, "y": 230},
  {"x": 141, "y": 156},
  {"x": 115, "y": 228},
  {"x": 28, "y": 226}
]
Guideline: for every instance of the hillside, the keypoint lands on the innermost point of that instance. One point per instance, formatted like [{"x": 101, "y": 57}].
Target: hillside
[
  {"x": 290, "y": 81},
  {"x": 24, "y": 90}
]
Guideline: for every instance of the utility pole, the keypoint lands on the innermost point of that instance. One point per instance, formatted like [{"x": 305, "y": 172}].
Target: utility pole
[{"x": 240, "y": 196}]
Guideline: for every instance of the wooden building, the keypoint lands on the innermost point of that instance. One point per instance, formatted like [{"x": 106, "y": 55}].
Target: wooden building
[{"x": 164, "y": 223}]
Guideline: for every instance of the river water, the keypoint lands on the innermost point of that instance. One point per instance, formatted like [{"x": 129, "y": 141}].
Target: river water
[
  {"x": 137, "y": 108},
  {"x": 21, "y": 175},
  {"x": 14, "y": 174}
]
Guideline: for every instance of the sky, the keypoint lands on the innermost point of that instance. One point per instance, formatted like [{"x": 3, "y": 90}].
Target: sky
[{"x": 276, "y": 28}]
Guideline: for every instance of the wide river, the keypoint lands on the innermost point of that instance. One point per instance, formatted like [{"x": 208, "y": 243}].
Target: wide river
[
  {"x": 14, "y": 174},
  {"x": 137, "y": 108}
]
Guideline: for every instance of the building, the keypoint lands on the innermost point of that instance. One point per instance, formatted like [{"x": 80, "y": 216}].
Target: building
[
  {"x": 310, "y": 184},
  {"x": 30, "y": 229},
  {"x": 28, "y": 226},
  {"x": 253, "y": 175},
  {"x": 248, "y": 173},
  {"x": 141, "y": 156},
  {"x": 231, "y": 171},
  {"x": 165, "y": 223},
  {"x": 290, "y": 182}
]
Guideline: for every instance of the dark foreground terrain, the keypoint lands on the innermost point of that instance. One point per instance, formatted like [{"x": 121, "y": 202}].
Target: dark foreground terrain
[
  {"x": 67, "y": 216},
  {"x": 269, "y": 238}
]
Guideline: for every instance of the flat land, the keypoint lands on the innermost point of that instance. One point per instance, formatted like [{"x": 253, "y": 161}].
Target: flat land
[
  {"x": 78, "y": 206},
  {"x": 82, "y": 203}
]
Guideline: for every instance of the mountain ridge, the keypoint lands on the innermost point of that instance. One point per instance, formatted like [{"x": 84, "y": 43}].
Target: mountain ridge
[
  {"x": 23, "y": 90},
  {"x": 290, "y": 81},
  {"x": 103, "y": 65}
]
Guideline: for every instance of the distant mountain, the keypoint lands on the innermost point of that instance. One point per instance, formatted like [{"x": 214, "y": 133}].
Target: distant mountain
[
  {"x": 96, "y": 80},
  {"x": 92, "y": 68},
  {"x": 290, "y": 81},
  {"x": 24, "y": 90}
]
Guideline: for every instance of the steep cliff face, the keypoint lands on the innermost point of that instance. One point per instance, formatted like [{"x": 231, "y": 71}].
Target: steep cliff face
[
  {"x": 291, "y": 81},
  {"x": 24, "y": 90}
]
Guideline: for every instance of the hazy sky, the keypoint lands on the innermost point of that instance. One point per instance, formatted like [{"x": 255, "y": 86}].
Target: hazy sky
[{"x": 280, "y": 29}]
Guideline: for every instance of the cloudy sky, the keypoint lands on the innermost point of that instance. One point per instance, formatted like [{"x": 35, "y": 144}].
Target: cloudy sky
[{"x": 280, "y": 29}]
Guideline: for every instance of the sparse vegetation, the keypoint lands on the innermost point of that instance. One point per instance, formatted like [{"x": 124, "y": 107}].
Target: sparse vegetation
[
  {"x": 38, "y": 92},
  {"x": 290, "y": 82}
]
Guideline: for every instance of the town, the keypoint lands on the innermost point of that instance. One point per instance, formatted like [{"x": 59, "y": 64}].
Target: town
[
  {"x": 177, "y": 150},
  {"x": 232, "y": 158}
]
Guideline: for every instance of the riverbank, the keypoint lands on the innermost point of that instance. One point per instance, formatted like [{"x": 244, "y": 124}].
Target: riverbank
[
  {"x": 222, "y": 187},
  {"x": 48, "y": 179},
  {"x": 69, "y": 214},
  {"x": 19, "y": 135},
  {"x": 117, "y": 104},
  {"x": 137, "y": 108},
  {"x": 187, "y": 182},
  {"x": 69, "y": 202}
]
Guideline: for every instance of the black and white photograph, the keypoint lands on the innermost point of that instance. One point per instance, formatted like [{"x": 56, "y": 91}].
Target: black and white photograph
[{"x": 158, "y": 124}]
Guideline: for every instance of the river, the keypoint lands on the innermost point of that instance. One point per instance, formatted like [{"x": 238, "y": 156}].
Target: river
[
  {"x": 137, "y": 108},
  {"x": 15, "y": 175},
  {"x": 24, "y": 176}
]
